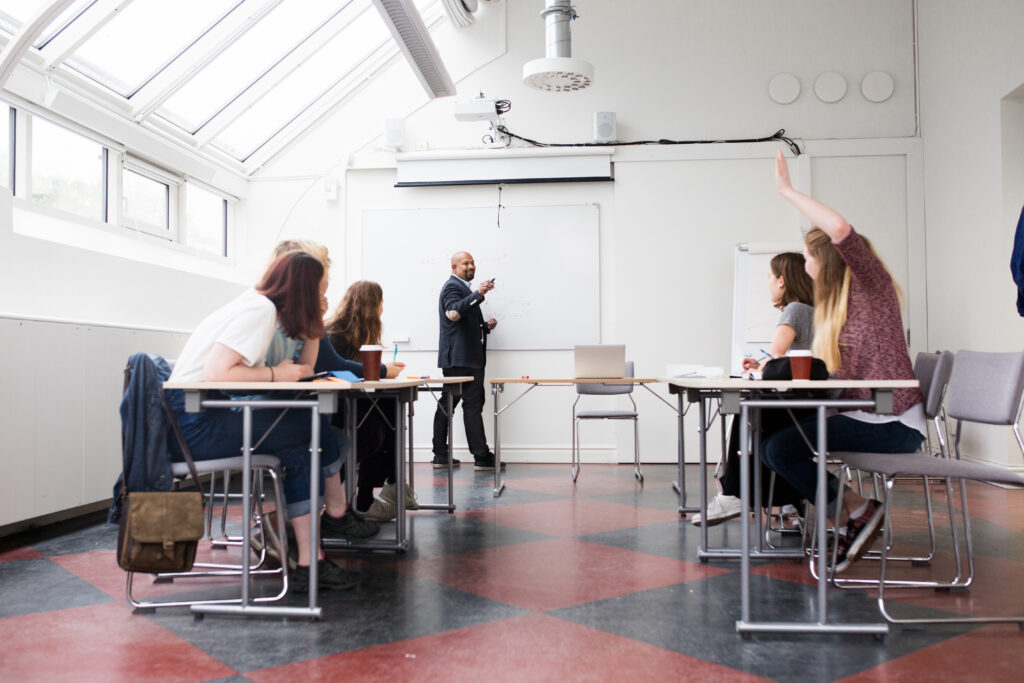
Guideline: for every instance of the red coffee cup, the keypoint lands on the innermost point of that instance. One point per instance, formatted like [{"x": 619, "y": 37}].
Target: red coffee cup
[
  {"x": 800, "y": 364},
  {"x": 370, "y": 355}
]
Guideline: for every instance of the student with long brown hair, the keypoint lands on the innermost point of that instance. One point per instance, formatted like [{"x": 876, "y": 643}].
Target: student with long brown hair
[
  {"x": 230, "y": 345},
  {"x": 858, "y": 332},
  {"x": 791, "y": 290},
  {"x": 355, "y": 323}
]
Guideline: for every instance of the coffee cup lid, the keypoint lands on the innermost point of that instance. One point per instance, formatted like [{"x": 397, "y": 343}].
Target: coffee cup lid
[
  {"x": 800, "y": 352},
  {"x": 371, "y": 347}
]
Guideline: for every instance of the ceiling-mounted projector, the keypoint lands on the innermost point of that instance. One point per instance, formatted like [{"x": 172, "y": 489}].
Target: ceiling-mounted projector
[{"x": 477, "y": 109}]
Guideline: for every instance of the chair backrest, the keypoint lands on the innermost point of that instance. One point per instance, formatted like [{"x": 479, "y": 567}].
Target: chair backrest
[
  {"x": 986, "y": 387},
  {"x": 605, "y": 388},
  {"x": 933, "y": 370}
]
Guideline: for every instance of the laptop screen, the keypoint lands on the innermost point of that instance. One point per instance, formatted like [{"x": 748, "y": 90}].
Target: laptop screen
[{"x": 599, "y": 361}]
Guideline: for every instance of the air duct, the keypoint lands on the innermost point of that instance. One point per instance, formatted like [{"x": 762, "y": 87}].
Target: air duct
[{"x": 558, "y": 71}]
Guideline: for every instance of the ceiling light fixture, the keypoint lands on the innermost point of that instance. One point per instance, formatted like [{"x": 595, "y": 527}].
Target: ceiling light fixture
[
  {"x": 407, "y": 27},
  {"x": 558, "y": 71}
]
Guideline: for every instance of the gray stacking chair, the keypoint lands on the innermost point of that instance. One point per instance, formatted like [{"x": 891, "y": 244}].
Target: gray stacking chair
[
  {"x": 986, "y": 388},
  {"x": 606, "y": 389}
]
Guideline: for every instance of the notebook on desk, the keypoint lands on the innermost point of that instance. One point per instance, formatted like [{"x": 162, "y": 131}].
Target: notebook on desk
[{"x": 599, "y": 361}]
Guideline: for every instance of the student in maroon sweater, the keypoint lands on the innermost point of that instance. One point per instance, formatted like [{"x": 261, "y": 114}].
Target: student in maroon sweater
[{"x": 858, "y": 332}]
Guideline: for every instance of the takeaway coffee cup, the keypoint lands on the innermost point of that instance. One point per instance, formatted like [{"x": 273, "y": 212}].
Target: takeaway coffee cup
[
  {"x": 800, "y": 364},
  {"x": 370, "y": 355}
]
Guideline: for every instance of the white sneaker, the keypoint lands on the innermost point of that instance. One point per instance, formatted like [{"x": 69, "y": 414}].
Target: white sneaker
[{"x": 720, "y": 508}]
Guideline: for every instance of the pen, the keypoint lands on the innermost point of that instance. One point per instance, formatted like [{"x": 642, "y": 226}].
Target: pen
[
  {"x": 395, "y": 356},
  {"x": 767, "y": 355}
]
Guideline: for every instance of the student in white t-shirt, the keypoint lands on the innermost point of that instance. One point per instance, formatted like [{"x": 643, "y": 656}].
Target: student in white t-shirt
[{"x": 230, "y": 345}]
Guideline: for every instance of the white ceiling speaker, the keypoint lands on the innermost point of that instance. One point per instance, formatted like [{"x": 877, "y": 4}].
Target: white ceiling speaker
[
  {"x": 558, "y": 71},
  {"x": 877, "y": 86},
  {"x": 460, "y": 12},
  {"x": 830, "y": 87},
  {"x": 784, "y": 88}
]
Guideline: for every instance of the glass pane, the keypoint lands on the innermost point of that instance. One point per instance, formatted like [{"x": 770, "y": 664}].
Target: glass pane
[
  {"x": 247, "y": 59},
  {"x": 145, "y": 199},
  {"x": 66, "y": 17},
  {"x": 14, "y": 13},
  {"x": 306, "y": 84},
  {"x": 5, "y": 145},
  {"x": 206, "y": 220},
  {"x": 152, "y": 33},
  {"x": 67, "y": 170}
]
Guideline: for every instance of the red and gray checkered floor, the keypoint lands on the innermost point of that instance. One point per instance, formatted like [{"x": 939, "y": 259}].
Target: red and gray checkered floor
[{"x": 549, "y": 582}]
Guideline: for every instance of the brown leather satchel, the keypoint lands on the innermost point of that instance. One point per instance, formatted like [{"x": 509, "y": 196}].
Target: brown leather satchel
[{"x": 160, "y": 530}]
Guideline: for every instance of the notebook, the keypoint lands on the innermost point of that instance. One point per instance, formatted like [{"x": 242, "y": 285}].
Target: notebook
[{"x": 599, "y": 361}]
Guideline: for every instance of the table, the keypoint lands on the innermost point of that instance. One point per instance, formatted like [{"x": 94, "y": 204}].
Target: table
[
  {"x": 736, "y": 399},
  {"x": 498, "y": 387},
  {"x": 317, "y": 397}
]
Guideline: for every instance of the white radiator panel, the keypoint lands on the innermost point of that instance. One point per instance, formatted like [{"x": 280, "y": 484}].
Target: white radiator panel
[{"x": 60, "y": 432}]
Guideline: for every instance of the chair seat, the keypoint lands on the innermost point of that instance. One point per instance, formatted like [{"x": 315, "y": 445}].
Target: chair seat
[
  {"x": 180, "y": 469},
  {"x": 893, "y": 464},
  {"x": 606, "y": 414}
]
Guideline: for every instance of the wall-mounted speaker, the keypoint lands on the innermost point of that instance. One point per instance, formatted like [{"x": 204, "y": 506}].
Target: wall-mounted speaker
[
  {"x": 604, "y": 126},
  {"x": 394, "y": 133}
]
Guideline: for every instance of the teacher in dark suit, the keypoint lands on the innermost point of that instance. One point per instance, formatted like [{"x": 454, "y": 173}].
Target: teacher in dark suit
[{"x": 462, "y": 351}]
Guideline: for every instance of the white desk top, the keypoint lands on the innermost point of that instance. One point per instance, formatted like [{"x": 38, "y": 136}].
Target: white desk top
[
  {"x": 726, "y": 383},
  {"x": 572, "y": 380},
  {"x": 332, "y": 385}
]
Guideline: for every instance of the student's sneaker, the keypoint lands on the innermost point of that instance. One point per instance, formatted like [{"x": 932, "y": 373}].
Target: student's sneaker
[
  {"x": 381, "y": 511},
  {"x": 440, "y": 462},
  {"x": 329, "y": 577},
  {"x": 720, "y": 508},
  {"x": 351, "y": 526},
  {"x": 387, "y": 494},
  {"x": 861, "y": 531},
  {"x": 486, "y": 463}
]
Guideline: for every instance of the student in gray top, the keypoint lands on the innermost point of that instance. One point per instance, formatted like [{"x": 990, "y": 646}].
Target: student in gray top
[{"x": 791, "y": 291}]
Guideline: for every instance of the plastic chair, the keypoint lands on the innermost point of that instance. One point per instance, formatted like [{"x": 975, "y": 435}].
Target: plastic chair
[
  {"x": 986, "y": 388},
  {"x": 610, "y": 388},
  {"x": 260, "y": 465}
]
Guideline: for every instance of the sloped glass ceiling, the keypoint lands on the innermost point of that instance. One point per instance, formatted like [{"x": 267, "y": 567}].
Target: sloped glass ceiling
[{"x": 233, "y": 78}]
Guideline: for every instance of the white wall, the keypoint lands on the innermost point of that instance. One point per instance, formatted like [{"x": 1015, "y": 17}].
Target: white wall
[{"x": 971, "y": 59}]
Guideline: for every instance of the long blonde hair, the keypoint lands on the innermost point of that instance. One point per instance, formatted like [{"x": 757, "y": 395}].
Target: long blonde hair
[
  {"x": 831, "y": 296},
  {"x": 310, "y": 247}
]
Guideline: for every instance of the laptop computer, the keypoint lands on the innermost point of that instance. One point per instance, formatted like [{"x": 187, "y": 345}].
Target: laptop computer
[{"x": 599, "y": 361}]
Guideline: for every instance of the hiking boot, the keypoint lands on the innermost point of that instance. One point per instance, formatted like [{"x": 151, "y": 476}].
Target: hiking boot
[
  {"x": 381, "y": 511},
  {"x": 720, "y": 508},
  {"x": 351, "y": 526},
  {"x": 387, "y": 494},
  {"x": 329, "y": 577}
]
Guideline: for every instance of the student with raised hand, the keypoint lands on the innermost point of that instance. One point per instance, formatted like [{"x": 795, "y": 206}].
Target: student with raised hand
[
  {"x": 230, "y": 345},
  {"x": 791, "y": 290},
  {"x": 357, "y": 322},
  {"x": 858, "y": 332}
]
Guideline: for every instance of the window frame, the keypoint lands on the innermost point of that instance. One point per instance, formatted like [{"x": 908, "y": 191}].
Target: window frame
[{"x": 171, "y": 182}]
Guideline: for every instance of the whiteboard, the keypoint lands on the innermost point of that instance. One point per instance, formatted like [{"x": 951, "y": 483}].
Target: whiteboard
[
  {"x": 754, "y": 318},
  {"x": 545, "y": 261}
]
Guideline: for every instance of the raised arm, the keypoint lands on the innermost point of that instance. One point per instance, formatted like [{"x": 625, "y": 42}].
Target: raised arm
[
  {"x": 224, "y": 364},
  {"x": 834, "y": 225}
]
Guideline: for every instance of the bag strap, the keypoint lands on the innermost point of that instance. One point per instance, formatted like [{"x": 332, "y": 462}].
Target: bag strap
[{"x": 181, "y": 443}]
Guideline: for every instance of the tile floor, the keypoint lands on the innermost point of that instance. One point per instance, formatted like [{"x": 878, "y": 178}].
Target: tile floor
[{"x": 600, "y": 581}]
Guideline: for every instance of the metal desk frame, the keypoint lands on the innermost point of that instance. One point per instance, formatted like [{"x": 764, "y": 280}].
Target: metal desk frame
[{"x": 498, "y": 387}]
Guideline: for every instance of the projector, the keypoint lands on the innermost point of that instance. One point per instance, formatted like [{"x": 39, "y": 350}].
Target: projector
[{"x": 477, "y": 109}]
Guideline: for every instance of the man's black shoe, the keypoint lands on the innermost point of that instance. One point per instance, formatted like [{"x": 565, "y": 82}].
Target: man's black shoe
[
  {"x": 329, "y": 577},
  {"x": 486, "y": 463},
  {"x": 440, "y": 462}
]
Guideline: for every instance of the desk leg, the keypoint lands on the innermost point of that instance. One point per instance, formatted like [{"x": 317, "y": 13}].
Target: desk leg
[
  {"x": 744, "y": 518},
  {"x": 448, "y": 394},
  {"x": 246, "y": 500},
  {"x": 400, "y": 472},
  {"x": 680, "y": 482},
  {"x": 409, "y": 442},
  {"x": 350, "y": 460},
  {"x": 702, "y": 468},
  {"x": 821, "y": 504},
  {"x": 499, "y": 485},
  {"x": 449, "y": 398}
]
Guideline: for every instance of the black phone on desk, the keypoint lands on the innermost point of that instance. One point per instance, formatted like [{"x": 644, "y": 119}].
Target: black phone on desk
[{"x": 319, "y": 375}]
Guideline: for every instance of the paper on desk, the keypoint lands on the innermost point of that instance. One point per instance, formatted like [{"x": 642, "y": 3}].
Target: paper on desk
[{"x": 705, "y": 371}]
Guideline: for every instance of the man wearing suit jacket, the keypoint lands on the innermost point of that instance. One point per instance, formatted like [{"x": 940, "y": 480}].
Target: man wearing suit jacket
[{"x": 462, "y": 351}]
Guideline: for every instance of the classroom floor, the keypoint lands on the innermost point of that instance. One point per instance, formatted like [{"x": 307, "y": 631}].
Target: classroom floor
[{"x": 549, "y": 582}]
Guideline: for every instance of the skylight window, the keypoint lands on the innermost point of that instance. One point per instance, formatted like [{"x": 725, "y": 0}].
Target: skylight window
[
  {"x": 142, "y": 38},
  {"x": 236, "y": 68}
]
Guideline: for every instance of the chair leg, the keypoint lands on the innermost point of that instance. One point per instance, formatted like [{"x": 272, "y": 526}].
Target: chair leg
[
  {"x": 636, "y": 451},
  {"x": 574, "y": 469}
]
